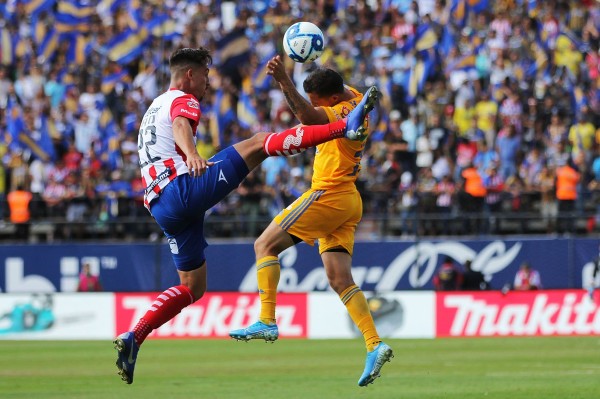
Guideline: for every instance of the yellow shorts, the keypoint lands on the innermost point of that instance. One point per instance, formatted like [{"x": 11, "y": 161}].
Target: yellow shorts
[{"x": 328, "y": 216}]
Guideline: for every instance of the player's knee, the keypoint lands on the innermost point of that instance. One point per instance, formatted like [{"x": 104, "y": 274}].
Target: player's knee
[
  {"x": 258, "y": 141},
  {"x": 340, "y": 283},
  {"x": 261, "y": 246}
]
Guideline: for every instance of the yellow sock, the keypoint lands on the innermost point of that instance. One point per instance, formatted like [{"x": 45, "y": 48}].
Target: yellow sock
[
  {"x": 358, "y": 308},
  {"x": 267, "y": 274}
]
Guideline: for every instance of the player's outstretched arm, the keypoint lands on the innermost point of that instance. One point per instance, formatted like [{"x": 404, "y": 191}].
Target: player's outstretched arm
[{"x": 304, "y": 111}]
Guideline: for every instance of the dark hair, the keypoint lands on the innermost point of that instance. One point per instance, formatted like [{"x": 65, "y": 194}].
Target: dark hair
[
  {"x": 324, "y": 82},
  {"x": 187, "y": 57}
]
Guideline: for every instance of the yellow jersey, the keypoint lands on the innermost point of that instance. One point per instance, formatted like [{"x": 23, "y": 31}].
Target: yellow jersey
[{"x": 337, "y": 162}]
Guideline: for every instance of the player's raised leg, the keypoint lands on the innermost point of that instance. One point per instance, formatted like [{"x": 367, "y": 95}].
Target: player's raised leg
[{"x": 298, "y": 139}]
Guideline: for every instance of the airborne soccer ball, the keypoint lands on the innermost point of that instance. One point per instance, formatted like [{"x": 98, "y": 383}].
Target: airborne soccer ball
[{"x": 303, "y": 42}]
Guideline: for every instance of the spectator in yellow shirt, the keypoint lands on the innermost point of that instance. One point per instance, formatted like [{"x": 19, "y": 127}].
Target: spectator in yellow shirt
[
  {"x": 486, "y": 111},
  {"x": 566, "y": 54},
  {"x": 463, "y": 117},
  {"x": 581, "y": 136}
]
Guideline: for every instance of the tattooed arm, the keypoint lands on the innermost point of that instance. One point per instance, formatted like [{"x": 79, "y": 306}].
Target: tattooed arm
[{"x": 304, "y": 111}]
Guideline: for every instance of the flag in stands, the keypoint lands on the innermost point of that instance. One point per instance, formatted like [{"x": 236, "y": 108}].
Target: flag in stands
[
  {"x": 540, "y": 58},
  {"x": 127, "y": 46},
  {"x": 163, "y": 27},
  {"x": 110, "y": 80},
  {"x": 8, "y": 8},
  {"x": 78, "y": 50},
  {"x": 39, "y": 28},
  {"x": 233, "y": 50},
  {"x": 417, "y": 76},
  {"x": 38, "y": 142},
  {"x": 7, "y": 53},
  {"x": 48, "y": 45},
  {"x": 260, "y": 80},
  {"x": 109, "y": 137},
  {"x": 221, "y": 116},
  {"x": 134, "y": 10},
  {"x": 110, "y": 6},
  {"x": 459, "y": 12},
  {"x": 446, "y": 41},
  {"x": 478, "y": 6},
  {"x": 246, "y": 110},
  {"x": 384, "y": 82},
  {"x": 425, "y": 37},
  {"x": 72, "y": 15},
  {"x": 465, "y": 63},
  {"x": 34, "y": 7}
]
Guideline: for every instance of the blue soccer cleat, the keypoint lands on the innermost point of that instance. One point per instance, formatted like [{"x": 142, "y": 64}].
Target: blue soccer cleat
[
  {"x": 356, "y": 125},
  {"x": 258, "y": 330},
  {"x": 127, "y": 350},
  {"x": 375, "y": 361}
]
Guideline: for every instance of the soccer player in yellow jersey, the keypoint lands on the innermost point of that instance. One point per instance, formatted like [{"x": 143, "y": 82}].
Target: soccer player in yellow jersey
[{"x": 328, "y": 212}]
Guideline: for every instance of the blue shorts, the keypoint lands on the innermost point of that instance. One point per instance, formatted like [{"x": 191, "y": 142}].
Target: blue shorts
[{"x": 179, "y": 210}]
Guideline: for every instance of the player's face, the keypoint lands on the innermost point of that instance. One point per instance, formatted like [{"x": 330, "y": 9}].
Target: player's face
[{"x": 199, "y": 82}]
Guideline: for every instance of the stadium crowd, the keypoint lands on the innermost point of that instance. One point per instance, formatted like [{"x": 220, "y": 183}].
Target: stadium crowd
[{"x": 490, "y": 108}]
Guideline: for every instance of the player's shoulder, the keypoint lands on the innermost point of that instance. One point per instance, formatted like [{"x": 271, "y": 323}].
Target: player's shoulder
[{"x": 357, "y": 96}]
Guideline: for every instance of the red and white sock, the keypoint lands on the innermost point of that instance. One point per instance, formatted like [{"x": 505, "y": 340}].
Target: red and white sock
[
  {"x": 166, "y": 306},
  {"x": 294, "y": 141}
]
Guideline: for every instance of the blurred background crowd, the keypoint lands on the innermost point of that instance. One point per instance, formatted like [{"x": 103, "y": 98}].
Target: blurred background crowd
[{"x": 490, "y": 120}]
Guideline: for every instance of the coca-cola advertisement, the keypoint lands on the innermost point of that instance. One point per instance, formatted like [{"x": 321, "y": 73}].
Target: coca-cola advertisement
[
  {"x": 517, "y": 313},
  {"x": 379, "y": 265},
  {"x": 214, "y": 315}
]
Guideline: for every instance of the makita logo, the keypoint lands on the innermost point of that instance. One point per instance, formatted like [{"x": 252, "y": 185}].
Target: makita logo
[
  {"x": 214, "y": 316},
  {"x": 551, "y": 313}
]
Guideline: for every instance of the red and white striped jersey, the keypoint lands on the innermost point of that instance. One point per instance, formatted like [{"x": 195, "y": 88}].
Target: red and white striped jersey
[{"x": 161, "y": 159}]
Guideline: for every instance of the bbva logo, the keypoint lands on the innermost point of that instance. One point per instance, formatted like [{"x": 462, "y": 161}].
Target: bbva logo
[{"x": 66, "y": 280}]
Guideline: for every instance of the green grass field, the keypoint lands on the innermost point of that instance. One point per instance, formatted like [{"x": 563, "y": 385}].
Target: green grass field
[{"x": 503, "y": 368}]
